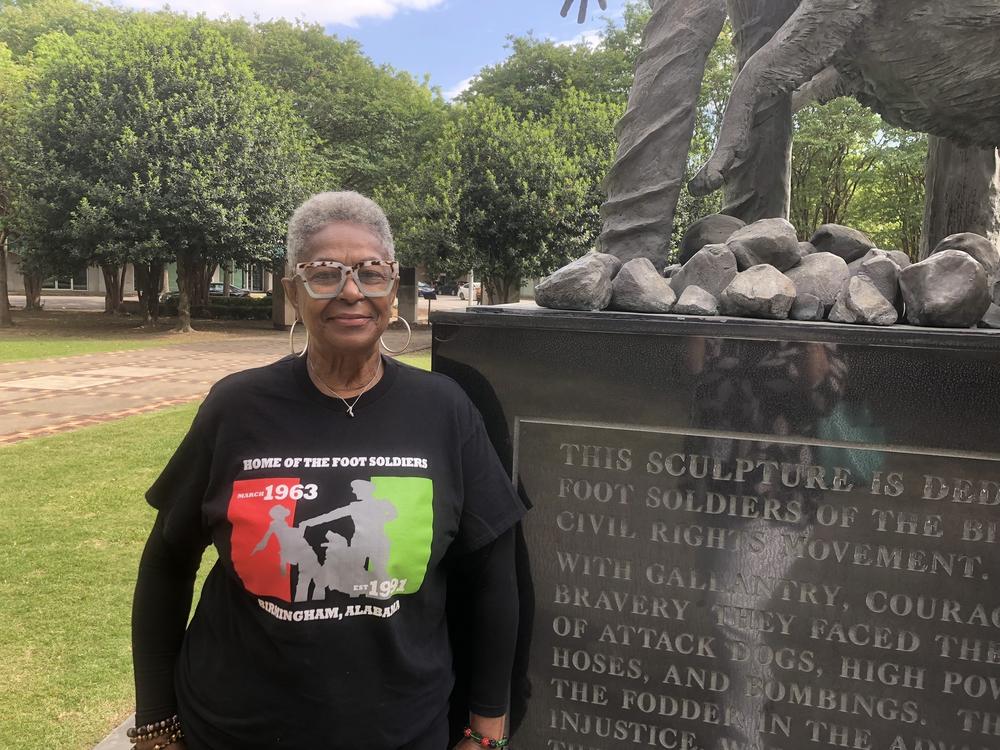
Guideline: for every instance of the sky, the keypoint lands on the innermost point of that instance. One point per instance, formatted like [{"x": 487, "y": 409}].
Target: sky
[{"x": 449, "y": 40}]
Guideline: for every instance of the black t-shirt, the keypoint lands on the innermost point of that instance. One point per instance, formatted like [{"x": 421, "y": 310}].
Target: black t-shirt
[{"x": 323, "y": 623}]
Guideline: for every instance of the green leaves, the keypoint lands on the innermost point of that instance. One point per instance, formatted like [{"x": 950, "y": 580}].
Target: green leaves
[
  {"x": 13, "y": 80},
  {"x": 372, "y": 123},
  {"x": 850, "y": 167},
  {"x": 151, "y": 137},
  {"x": 518, "y": 195}
]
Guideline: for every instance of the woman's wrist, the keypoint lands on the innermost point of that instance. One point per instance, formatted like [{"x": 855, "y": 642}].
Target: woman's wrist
[
  {"x": 157, "y": 735},
  {"x": 486, "y": 731}
]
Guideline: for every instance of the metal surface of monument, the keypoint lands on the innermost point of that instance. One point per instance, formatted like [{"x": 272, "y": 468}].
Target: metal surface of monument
[{"x": 748, "y": 534}]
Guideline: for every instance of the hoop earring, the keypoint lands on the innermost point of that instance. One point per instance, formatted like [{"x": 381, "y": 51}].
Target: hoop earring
[
  {"x": 409, "y": 335},
  {"x": 291, "y": 340}
]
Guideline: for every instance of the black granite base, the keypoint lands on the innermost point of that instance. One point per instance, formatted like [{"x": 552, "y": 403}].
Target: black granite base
[{"x": 748, "y": 535}]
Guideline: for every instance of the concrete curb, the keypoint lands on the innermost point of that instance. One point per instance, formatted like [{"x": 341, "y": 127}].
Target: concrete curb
[{"x": 117, "y": 740}]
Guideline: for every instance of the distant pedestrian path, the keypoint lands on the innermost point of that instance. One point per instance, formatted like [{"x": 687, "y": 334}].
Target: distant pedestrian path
[{"x": 48, "y": 396}]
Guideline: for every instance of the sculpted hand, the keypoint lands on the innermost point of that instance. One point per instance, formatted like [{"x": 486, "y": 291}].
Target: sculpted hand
[{"x": 582, "y": 15}]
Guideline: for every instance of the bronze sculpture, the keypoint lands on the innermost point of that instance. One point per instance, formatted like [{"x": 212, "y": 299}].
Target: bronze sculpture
[{"x": 890, "y": 54}]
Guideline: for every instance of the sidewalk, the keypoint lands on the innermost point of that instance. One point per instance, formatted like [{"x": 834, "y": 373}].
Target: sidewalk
[{"x": 48, "y": 396}]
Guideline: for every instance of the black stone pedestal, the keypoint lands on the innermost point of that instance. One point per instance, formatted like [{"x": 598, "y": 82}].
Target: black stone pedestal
[{"x": 748, "y": 534}]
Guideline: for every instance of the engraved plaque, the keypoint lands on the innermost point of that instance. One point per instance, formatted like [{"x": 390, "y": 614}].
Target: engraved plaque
[
  {"x": 702, "y": 589},
  {"x": 746, "y": 535}
]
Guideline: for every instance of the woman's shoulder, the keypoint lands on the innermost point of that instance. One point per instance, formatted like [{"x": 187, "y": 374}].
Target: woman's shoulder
[
  {"x": 256, "y": 381},
  {"x": 429, "y": 384},
  {"x": 436, "y": 392}
]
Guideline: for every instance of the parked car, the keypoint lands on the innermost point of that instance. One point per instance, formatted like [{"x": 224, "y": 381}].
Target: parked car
[
  {"x": 426, "y": 291},
  {"x": 447, "y": 287},
  {"x": 463, "y": 291},
  {"x": 215, "y": 289}
]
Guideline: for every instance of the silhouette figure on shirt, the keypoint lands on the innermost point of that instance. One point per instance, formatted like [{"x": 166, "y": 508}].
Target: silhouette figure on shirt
[
  {"x": 366, "y": 557},
  {"x": 293, "y": 549},
  {"x": 343, "y": 569}
]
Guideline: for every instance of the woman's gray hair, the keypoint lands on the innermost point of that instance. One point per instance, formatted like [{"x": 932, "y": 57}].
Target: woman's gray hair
[{"x": 326, "y": 208}]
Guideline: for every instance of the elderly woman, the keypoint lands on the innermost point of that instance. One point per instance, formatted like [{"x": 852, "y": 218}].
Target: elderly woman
[{"x": 342, "y": 491}]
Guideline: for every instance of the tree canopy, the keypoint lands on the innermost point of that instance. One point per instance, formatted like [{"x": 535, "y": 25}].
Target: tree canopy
[
  {"x": 152, "y": 140},
  {"x": 155, "y": 138},
  {"x": 518, "y": 191},
  {"x": 13, "y": 79},
  {"x": 372, "y": 123}
]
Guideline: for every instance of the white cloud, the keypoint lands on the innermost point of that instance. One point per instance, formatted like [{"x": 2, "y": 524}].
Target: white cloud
[
  {"x": 459, "y": 88},
  {"x": 590, "y": 38},
  {"x": 347, "y": 12}
]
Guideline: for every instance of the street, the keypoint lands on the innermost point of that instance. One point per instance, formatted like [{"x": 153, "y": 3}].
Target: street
[
  {"x": 67, "y": 302},
  {"x": 96, "y": 303}
]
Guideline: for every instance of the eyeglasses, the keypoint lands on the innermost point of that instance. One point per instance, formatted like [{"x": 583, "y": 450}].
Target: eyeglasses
[{"x": 325, "y": 279}]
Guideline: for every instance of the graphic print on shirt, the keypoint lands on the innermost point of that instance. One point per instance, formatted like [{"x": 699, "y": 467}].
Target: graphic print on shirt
[{"x": 286, "y": 544}]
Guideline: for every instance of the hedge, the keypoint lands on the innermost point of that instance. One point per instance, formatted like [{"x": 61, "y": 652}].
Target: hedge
[{"x": 225, "y": 308}]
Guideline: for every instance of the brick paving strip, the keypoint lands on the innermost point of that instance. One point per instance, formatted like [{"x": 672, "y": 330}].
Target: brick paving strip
[{"x": 49, "y": 396}]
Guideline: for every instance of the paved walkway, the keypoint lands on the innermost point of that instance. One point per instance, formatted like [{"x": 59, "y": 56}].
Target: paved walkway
[{"x": 48, "y": 396}]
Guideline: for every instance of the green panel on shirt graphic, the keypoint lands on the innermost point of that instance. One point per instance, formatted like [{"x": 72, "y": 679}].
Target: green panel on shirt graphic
[{"x": 412, "y": 531}]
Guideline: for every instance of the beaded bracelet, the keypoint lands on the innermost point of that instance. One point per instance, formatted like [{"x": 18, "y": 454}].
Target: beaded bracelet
[
  {"x": 170, "y": 740},
  {"x": 167, "y": 729},
  {"x": 472, "y": 734}
]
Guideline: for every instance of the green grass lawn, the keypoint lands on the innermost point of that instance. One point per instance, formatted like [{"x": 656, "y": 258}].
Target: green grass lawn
[
  {"x": 69, "y": 546},
  {"x": 12, "y": 350},
  {"x": 421, "y": 359},
  {"x": 70, "y": 542}
]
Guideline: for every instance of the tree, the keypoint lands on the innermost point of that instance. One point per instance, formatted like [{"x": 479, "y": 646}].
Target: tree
[
  {"x": 12, "y": 93},
  {"x": 542, "y": 78},
  {"x": 423, "y": 212},
  {"x": 890, "y": 206},
  {"x": 539, "y": 72},
  {"x": 834, "y": 152},
  {"x": 584, "y": 127},
  {"x": 518, "y": 197},
  {"x": 373, "y": 123},
  {"x": 23, "y": 22},
  {"x": 155, "y": 142}
]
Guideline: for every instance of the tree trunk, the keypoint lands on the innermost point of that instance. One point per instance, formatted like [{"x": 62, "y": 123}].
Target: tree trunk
[
  {"x": 189, "y": 279},
  {"x": 121, "y": 283},
  {"x": 33, "y": 290},
  {"x": 155, "y": 289},
  {"x": 148, "y": 282},
  {"x": 207, "y": 271},
  {"x": 500, "y": 291},
  {"x": 112, "y": 289},
  {"x": 227, "y": 278},
  {"x": 963, "y": 193},
  {"x": 6, "y": 320}
]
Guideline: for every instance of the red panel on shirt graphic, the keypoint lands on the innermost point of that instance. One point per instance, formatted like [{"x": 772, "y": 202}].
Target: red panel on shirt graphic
[
  {"x": 265, "y": 543},
  {"x": 377, "y": 544}
]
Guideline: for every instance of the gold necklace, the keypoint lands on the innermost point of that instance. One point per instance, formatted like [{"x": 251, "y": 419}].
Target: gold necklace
[{"x": 350, "y": 405}]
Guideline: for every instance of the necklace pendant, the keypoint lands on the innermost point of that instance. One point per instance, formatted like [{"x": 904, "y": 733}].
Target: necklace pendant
[{"x": 350, "y": 412}]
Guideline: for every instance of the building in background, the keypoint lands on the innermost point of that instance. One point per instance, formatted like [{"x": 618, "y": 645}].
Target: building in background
[{"x": 90, "y": 281}]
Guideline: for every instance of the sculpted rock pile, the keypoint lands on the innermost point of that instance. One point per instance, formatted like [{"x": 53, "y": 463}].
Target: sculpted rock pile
[{"x": 761, "y": 270}]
